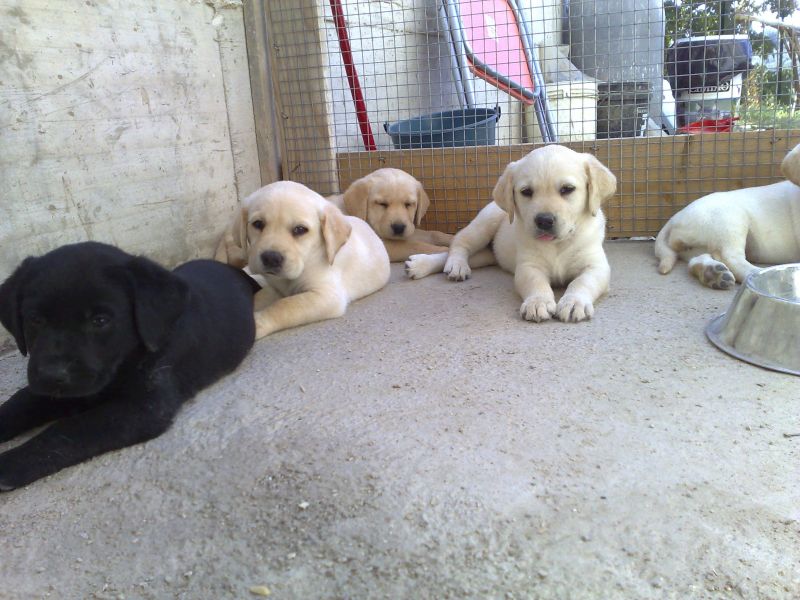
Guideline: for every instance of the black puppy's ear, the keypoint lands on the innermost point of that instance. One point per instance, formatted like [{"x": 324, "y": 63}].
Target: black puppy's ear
[
  {"x": 11, "y": 303},
  {"x": 158, "y": 299}
]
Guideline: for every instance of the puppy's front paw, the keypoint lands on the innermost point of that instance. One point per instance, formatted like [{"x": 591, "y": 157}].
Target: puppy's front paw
[
  {"x": 457, "y": 269},
  {"x": 7, "y": 484},
  {"x": 12, "y": 473},
  {"x": 420, "y": 265},
  {"x": 537, "y": 308},
  {"x": 574, "y": 307}
]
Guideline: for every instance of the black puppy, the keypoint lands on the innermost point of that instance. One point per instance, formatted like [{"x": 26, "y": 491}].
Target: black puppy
[{"x": 117, "y": 344}]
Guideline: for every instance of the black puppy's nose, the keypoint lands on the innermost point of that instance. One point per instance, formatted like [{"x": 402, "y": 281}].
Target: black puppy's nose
[
  {"x": 272, "y": 259},
  {"x": 545, "y": 221},
  {"x": 398, "y": 228},
  {"x": 53, "y": 374}
]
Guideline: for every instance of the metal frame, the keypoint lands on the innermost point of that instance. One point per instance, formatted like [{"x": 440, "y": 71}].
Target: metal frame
[{"x": 537, "y": 96}]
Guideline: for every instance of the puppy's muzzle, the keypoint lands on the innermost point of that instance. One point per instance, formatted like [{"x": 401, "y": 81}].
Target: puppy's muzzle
[
  {"x": 398, "y": 228},
  {"x": 53, "y": 375},
  {"x": 61, "y": 378},
  {"x": 272, "y": 261}
]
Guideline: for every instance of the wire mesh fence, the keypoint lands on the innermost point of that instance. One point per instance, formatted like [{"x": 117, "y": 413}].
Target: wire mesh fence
[{"x": 679, "y": 99}]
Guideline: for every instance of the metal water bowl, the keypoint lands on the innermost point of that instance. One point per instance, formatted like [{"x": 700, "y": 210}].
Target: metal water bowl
[{"x": 762, "y": 325}]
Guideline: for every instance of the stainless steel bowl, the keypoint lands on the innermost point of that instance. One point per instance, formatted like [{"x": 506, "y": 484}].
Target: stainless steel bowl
[{"x": 762, "y": 325}]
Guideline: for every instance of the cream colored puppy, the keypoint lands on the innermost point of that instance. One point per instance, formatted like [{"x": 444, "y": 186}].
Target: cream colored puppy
[
  {"x": 545, "y": 226},
  {"x": 721, "y": 233},
  {"x": 393, "y": 203},
  {"x": 315, "y": 260}
]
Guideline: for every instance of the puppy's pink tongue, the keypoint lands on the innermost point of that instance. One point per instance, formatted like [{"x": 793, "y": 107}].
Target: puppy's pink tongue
[{"x": 546, "y": 237}]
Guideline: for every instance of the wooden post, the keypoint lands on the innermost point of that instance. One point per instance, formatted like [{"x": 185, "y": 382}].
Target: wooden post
[{"x": 255, "y": 26}]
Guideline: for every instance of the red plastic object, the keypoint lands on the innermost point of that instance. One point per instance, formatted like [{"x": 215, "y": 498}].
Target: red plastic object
[
  {"x": 352, "y": 76},
  {"x": 709, "y": 126},
  {"x": 495, "y": 51}
]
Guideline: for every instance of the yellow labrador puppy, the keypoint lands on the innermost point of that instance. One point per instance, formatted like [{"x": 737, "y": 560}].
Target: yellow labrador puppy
[
  {"x": 545, "y": 225},
  {"x": 393, "y": 203},
  {"x": 719, "y": 234},
  {"x": 315, "y": 260}
]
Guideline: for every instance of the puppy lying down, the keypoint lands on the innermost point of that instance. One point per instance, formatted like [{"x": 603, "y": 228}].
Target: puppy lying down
[
  {"x": 315, "y": 260},
  {"x": 116, "y": 344},
  {"x": 394, "y": 203},
  {"x": 545, "y": 225},
  {"x": 720, "y": 235}
]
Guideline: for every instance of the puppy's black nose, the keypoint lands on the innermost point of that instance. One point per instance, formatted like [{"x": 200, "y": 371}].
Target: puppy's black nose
[
  {"x": 53, "y": 374},
  {"x": 271, "y": 259},
  {"x": 398, "y": 228},
  {"x": 545, "y": 221}
]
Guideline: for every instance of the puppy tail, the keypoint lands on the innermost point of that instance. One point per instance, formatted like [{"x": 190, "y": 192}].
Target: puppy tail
[{"x": 664, "y": 252}]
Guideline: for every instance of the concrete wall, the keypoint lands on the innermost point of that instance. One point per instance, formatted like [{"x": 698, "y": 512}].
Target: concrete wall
[{"x": 125, "y": 122}]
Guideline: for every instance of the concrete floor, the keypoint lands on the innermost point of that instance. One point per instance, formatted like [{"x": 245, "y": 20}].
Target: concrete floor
[{"x": 431, "y": 444}]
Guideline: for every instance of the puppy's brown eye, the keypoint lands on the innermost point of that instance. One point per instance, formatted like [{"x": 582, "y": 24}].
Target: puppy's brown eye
[
  {"x": 258, "y": 224},
  {"x": 409, "y": 205},
  {"x": 567, "y": 189},
  {"x": 383, "y": 204},
  {"x": 526, "y": 191},
  {"x": 299, "y": 230}
]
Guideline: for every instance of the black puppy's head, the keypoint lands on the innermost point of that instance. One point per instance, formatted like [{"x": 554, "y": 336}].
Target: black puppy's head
[{"x": 83, "y": 310}]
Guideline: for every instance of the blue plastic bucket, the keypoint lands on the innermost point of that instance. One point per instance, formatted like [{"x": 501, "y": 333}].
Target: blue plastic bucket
[{"x": 449, "y": 129}]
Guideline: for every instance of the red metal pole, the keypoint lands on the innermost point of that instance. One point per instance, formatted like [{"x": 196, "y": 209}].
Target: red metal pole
[{"x": 352, "y": 76}]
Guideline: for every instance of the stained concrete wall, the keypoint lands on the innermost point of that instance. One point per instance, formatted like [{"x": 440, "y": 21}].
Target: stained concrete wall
[{"x": 125, "y": 122}]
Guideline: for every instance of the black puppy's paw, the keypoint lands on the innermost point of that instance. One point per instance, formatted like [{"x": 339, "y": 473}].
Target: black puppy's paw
[
  {"x": 6, "y": 487},
  {"x": 13, "y": 472}
]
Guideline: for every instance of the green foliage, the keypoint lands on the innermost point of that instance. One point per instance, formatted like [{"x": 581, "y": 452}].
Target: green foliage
[
  {"x": 767, "y": 116},
  {"x": 782, "y": 8},
  {"x": 685, "y": 18},
  {"x": 767, "y": 89}
]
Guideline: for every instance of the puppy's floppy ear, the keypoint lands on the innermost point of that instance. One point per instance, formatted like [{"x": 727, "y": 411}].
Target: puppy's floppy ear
[
  {"x": 335, "y": 230},
  {"x": 790, "y": 167},
  {"x": 503, "y": 192},
  {"x": 601, "y": 183},
  {"x": 356, "y": 196},
  {"x": 11, "y": 292},
  {"x": 232, "y": 247},
  {"x": 423, "y": 202},
  {"x": 158, "y": 298}
]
